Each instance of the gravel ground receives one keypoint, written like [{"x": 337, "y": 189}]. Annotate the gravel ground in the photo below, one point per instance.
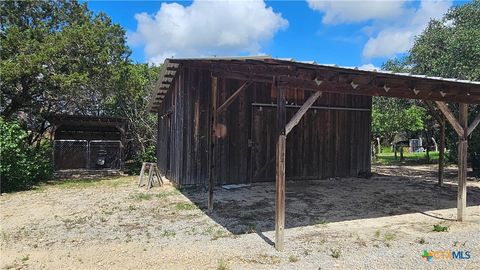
[{"x": 385, "y": 222}]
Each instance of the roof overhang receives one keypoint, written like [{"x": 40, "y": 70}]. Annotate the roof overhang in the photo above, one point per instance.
[{"x": 311, "y": 76}]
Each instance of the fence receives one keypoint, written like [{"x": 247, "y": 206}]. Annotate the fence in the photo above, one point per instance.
[{"x": 83, "y": 154}]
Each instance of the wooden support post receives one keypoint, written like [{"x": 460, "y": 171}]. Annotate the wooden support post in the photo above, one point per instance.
[
  {"x": 299, "y": 114},
  {"x": 462, "y": 163},
  {"x": 441, "y": 154},
  {"x": 213, "y": 141},
  {"x": 280, "y": 169}
]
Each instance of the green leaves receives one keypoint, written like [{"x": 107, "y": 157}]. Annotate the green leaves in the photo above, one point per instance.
[
  {"x": 57, "y": 56},
  {"x": 21, "y": 165},
  {"x": 391, "y": 116}
]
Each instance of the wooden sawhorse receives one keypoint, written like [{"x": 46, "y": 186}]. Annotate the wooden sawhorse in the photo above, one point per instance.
[{"x": 153, "y": 173}]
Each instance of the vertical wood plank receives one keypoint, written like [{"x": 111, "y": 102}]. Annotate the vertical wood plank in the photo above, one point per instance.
[
  {"x": 462, "y": 163},
  {"x": 211, "y": 176},
  {"x": 280, "y": 171}
]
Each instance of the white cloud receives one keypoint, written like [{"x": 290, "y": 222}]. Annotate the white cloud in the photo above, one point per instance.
[
  {"x": 400, "y": 37},
  {"x": 369, "y": 67},
  {"x": 336, "y": 12},
  {"x": 391, "y": 25},
  {"x": 206, "y": 28}
]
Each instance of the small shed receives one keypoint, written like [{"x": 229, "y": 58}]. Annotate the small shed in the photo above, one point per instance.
[
  {"x": 227, "y": 120},
  {"x": 88, "y": 142}
]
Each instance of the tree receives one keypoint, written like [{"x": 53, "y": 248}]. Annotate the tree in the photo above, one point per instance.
[
  {"x": 449, "y": 47},
  {"x": 21, "y": 165},
  {"x": 136, "y": 83},
  {"x": 393, "y": 116},
  {"x": 56, "y": 57}
]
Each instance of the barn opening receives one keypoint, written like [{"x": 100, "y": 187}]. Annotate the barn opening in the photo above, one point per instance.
[{"x": 226, "y": 120}]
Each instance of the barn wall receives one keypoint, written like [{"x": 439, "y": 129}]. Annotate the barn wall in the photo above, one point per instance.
[{"x": 326, "y": 143}]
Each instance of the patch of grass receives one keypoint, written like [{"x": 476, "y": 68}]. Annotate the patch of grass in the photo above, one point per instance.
[
  {"x": 335, "y": 253},
  {"x": 185, "y": 206},
  {"x": 389, "y": 236},
  {"x": 222, "y": 265},
  {"x": 249, "y": 227},
  {"x": 71, "y": 223},
  {"x": 220, "y": 233},
  {"x": 85, "y": 182},
  {"x": 293, "y": 258},
  {"x": 132, "y": 207},
  {"x": 421, "y": 241},
  {"x": 167, "y": 193},
  {"x": 142, "y": 196},
  {"x": 440, "y": 228},
  {"x": 388, "y": 158},
  {"x": 168, "y": 233},
  {"x": 25, "y": 258},
  {"x": 377, "y": 234},
  {"x": 361, "y": 242},
  {"x": 320, "y": 222}
]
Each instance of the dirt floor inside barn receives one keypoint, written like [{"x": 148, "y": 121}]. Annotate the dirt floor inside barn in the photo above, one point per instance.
[{"x": 385, "y": 222}]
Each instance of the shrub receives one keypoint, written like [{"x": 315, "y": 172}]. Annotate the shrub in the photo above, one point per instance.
[
  {"x": 21, "y": 165},
  {"x": 134, "y": 166}
]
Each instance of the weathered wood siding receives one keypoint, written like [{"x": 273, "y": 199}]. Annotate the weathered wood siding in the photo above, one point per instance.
[{"x": 326, "y": 143}]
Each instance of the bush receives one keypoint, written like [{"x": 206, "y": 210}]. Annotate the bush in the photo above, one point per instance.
[
  {"x": 134, "y": 166},
  {"x": 21, "y": 165}
]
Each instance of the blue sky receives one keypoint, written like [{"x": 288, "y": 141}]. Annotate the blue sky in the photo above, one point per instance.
[{"x": 348, "y": 33}]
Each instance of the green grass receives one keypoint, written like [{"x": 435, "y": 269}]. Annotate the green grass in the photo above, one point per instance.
[
  {"x": 293, "y": 258},
  {"x": 335, "y": 253},
  {"x": 185, "y": 206},
  {"x": 439, "y": 228},
  {"x": 389, "y": 236},
  {"x": 168, "y": 193},
  {"x": 85, "y": 183},
  {"x": 142, "y": 196},
  {"x": 388, "y": 158},
  {"x": 222, "y": 265},
  {"x": 168, "y": 233}
]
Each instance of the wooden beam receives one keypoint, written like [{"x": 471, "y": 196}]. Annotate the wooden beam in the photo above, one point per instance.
[
  {"x": 233, "y": 96},
  {"x": 473, "y": 125},
  {"x": 451, "y": 118},
  {"x": 299, "y": 114},
  {"x": 462, "y": 163},
  {"x": 365, "y": 89},
  {"x": 441, "y": 157},
  {"x": 280, "y": 170},
  {"x": 242, "y": 77},
  {"x": 434, "y": 113},
  {"x": 213, "y": 141}
]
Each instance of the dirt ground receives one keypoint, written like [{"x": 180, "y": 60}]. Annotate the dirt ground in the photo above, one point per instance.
[{"x": 385, "y": 222}]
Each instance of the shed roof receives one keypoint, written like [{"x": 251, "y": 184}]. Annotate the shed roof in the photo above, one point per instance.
[{"x": 312, "y": 76}]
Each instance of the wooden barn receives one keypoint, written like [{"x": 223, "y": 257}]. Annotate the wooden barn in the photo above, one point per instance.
[
  {"x": 334, "y": 138},
  {"x": 226, "y": 120}
]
